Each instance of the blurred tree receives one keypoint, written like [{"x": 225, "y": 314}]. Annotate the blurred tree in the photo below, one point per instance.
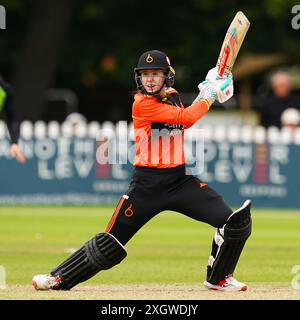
[
  {"x": 17, "y": 12},
  {"x": 191, "y": 34},
  {"x": 37, "y": 63},
  {"x": 106, "y": 37}
]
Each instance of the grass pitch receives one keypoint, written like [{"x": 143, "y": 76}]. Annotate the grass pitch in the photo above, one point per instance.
[{"x": 166, "y": 259}]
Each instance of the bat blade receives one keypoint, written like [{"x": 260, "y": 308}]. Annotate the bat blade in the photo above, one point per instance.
[{"x": 232, "y": 43}]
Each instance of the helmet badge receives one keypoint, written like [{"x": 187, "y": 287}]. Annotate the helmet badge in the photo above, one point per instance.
[{"x": 149, "y": 59}]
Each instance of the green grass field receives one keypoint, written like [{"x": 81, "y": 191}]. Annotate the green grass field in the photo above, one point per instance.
[{"x": 170, "y": 250}]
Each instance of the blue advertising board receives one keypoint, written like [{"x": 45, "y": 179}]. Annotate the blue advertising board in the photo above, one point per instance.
[{"x": 67, "y": 171}]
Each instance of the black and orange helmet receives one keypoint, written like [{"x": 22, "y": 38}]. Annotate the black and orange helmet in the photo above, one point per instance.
[{"x": 154, "y": 60}]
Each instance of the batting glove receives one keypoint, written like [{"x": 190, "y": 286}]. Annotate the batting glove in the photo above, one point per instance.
[
  {"x": 221, "y": 86},
  {"x": 208, "y": 91}
]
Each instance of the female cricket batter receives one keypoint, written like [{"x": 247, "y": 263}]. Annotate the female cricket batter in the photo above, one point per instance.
[{"x": 160, "y": 182}]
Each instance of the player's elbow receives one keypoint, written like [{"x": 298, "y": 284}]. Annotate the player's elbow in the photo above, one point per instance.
[
  {"x": 187, "y": 125},
  {"x": 189, "y": 121}
]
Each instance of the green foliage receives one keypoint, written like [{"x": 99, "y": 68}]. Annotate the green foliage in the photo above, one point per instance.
[
  {"x": 278, "y": 8},
  {"x": 11, "y": 39},
  {"x": 190, "y": 32}
]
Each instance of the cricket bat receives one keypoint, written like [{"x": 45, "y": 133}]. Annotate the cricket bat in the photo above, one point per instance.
[{"x": 232, "y": 43}]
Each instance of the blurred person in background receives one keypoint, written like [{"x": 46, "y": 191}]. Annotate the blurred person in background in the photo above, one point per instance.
[
  {"x": 160, "y": 182},
  {"x": 7, "y": 106},
  {"x": 279, "y": 99}
]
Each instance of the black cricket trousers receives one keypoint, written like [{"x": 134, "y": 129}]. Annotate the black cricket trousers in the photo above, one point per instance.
[{"x": 152, "y": 191}]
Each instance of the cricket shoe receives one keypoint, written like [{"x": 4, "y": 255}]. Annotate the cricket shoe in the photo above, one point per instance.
[
  {"x": 46, "y": 282},
  {"x": 229, "y": 284}
]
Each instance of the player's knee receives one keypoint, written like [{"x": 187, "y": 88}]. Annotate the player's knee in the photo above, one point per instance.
[
  {"x": 219, "y": 219},
  {"x": 239, "y": 223}
]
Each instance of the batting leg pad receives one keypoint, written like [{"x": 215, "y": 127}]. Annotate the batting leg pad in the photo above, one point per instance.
[
  {"x": 101, "y": 252},
  {"x": 228, "y": 244}
]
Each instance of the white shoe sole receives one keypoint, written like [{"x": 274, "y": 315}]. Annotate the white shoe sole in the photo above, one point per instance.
[{"x": 229, "y": 288}]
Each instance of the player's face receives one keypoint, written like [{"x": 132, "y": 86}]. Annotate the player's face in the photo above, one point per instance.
[{"x": 152, "y": 80}]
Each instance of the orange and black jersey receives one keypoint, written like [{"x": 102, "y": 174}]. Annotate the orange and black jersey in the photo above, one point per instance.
[{"x": 159, "y": 128}]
